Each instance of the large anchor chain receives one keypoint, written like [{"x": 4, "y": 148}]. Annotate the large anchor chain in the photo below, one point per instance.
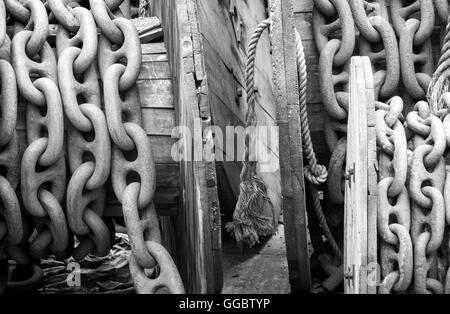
[{"x": 131, "y": 152}]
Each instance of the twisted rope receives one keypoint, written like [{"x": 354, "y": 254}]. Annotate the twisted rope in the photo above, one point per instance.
[
  {"x": 249, "y": 222},
  {"x": 144, "y": 8},
  {"x": 440, "y": 82},
  {"x": 314, "y": 173}
]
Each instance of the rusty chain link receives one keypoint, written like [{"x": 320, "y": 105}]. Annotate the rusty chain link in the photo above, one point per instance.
[{"x": 133, "y": 167}]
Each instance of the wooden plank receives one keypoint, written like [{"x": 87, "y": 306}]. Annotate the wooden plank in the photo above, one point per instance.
[
  {"x": 225, "y": 62},
  {"x": 291, "y": 155},
  {"x": 155, "y": 70},
  {"x": 372, "y": 206},
  {"x": 157, "y": 121},
  {"x": 197, "y": 235},
  {"x": 156, "y": 93},
  {"x": 357, "y": 168}
]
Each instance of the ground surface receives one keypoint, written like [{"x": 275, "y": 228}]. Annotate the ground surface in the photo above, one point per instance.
[{"x": 255, "y": 271}]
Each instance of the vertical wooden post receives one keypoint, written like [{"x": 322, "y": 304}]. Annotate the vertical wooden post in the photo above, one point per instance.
[
  {"x": 361, "y": 182},
  {"x": 290, "y": 143}
]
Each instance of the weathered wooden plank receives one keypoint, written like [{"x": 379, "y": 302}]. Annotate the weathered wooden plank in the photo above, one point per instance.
[
  {"x": 155, "y": 70},
  {"x": 291, "y": 159},
  {"x": 198, "y": 225},
  {"x": 158, "y": 121},
  {"x": 156, "y": 93},
  {"x": 153, "y": 48},
  {"x": 225, "y": 63},
  {"x": 357, "y": 187}
]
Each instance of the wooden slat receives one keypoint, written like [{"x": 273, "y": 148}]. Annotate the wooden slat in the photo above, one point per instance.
[
  {"x": 225, "y": 63},
  {"x": 357, "y": 168},
  {"x": 197, "y": 227},
  {"x": 291, "y": 159},
  {"x": 156, "y": 93}
]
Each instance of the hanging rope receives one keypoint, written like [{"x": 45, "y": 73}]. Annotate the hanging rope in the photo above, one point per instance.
[
  {"x": 440, "y": 83},
  {"x": 250, "y": 222},
  {"x": 314, "y": 173},
  {"x": 144, "y": 8}
]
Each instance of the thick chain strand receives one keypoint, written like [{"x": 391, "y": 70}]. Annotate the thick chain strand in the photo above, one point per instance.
[
  {"x": 43, "y": 165},
  {"x": 131, "y": 152},
  {"x": 393, "y": 201}
]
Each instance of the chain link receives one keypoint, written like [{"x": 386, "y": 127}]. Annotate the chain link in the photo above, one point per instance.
[
  {"x": 394, "y": 212},
  {"x": 442, "y": 8},
  {"x": 331, "y": 19},
  {"x": 415, "y": 48},
  {"x": 89, "y": 148},
  {"x": 133, "y": 167},
  {"x": 43, "y": 165},
  {"x": 426, "y": 187},
  {"x": 375, "y": 31},
  {"x": 11, "y": 226}
]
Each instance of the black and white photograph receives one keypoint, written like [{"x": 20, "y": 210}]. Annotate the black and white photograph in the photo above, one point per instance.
[{"x": 233, "y": 154}]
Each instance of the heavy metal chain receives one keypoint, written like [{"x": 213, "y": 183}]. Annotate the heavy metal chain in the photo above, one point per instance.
[
  {"x": 414, "y": 24},
  {"x": 133, "y": 168},
  {"x": 442, "y": 8},
  {"x": 11, "y": 224},
  {"x": 377, "y": 41},
  {"x": 333, "y": 76},
  {"x": 394, "y": 213},
  {"x": 43, "y": 166},
  {"x": 426, "y": 187},
  {"x": 89, "y": 148},
  {"x": 444, "y": 114}
]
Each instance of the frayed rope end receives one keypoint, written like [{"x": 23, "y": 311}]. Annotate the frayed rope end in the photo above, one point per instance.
[{"x": 251, "y": 221}]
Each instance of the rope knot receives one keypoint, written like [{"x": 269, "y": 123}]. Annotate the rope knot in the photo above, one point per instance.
[{"x": 317, "y": 174}]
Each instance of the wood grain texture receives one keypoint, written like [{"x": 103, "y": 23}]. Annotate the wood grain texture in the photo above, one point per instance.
[
  {"x": 197, "y": 227},
  {"x": 225, "y": 62},
  {"x": 359, "y": 168},
  {"x": 290, "y": 143}
]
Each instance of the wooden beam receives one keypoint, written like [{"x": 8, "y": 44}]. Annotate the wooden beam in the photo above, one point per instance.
[
  {"x": 361, "y": 177},
  {"x": 290, "y": 144}
]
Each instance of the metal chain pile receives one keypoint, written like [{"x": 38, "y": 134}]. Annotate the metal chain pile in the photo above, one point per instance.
[
  {"x": 11, "y": 223},
  {"x": 394, "y": 213},
  {"x": 43, "y": 168},
  {"x": 329, "y": 18},
  {"x": 412, "y": 210},
  {"x": 69, "y": 84},
  {"x": 400, "y": 54},
  {"x": 414, "y": 23},
  {"x": 377, "y": 41},
  {"x": 133, "y": 168}
]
